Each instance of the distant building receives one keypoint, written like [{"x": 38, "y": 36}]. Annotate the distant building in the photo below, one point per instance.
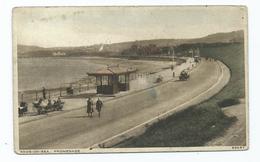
[{"x": 59, "y": 53}]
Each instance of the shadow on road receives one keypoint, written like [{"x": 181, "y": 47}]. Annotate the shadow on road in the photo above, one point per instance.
[{"x": 81, "y": 116}]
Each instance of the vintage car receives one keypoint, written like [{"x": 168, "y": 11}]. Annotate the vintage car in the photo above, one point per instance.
[
  {"x": 45, "y": 106},
  {"x": 184, "y": 75}
]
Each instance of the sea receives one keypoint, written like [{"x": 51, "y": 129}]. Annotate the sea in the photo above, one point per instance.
[{"x": 52, "y": 72}]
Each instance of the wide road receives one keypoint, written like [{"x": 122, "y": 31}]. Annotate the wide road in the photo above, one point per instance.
[{"x": 74, "y": 130}]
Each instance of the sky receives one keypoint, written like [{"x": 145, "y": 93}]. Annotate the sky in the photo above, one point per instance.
[{"x": 82, "y": 26}]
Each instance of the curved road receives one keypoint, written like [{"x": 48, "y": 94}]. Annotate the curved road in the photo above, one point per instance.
[{"x": 74, "y": 130}]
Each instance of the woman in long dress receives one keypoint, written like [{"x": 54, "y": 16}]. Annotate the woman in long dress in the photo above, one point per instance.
[{"x": 90, "y": 107}]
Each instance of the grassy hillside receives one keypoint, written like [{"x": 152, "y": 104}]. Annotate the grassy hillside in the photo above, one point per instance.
[
  {"x": 115, "y": 49},
  {"x": 200, "y": 123},
  {"x": 233, "y": 56}
]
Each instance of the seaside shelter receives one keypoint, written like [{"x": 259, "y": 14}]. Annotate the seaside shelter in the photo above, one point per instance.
[{"x": 112, "y": 79}]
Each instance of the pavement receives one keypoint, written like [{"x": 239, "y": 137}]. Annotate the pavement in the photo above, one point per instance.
[
  {"x": 74, "y": 130},
  {"x": 236, "y": 134}
]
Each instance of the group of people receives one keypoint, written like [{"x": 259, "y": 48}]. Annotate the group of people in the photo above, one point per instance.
[
  {"x": 90, "y": 104},
  {"x": 90, "y": 107}
]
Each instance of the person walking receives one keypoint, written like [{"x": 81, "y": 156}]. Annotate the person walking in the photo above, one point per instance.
[
  {"x": 99, "y": 105},
  {"x": 90, "y": 107}
]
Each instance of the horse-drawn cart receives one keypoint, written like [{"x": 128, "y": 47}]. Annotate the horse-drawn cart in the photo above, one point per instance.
[{"x": 45, "y": 106}]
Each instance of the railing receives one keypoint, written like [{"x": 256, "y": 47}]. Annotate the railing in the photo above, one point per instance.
[{"x": 32, "y": 95}]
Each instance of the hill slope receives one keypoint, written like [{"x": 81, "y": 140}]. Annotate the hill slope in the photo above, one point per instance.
[{"x": 116, "y": 48}]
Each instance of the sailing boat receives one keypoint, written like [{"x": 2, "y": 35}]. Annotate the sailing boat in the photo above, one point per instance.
[{"x": 101, "y": 48}]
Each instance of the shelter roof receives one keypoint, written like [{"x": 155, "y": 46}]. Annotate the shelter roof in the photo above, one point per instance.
[{"x": 111, "y": 70}]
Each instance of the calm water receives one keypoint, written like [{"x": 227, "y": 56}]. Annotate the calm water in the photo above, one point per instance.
[{"x": 34, "y": 73}]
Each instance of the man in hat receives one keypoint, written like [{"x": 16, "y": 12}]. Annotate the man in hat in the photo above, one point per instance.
[{"x": 99, "y": 105}]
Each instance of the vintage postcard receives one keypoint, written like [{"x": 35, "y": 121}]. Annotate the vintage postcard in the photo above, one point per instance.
[{"x": 130, "y": 79}]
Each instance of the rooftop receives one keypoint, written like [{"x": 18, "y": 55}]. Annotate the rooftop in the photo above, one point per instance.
[{"x": 110, "y": 70}]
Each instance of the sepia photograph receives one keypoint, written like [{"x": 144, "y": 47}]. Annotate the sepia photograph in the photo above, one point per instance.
[{"x": 130, "y": 79}]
